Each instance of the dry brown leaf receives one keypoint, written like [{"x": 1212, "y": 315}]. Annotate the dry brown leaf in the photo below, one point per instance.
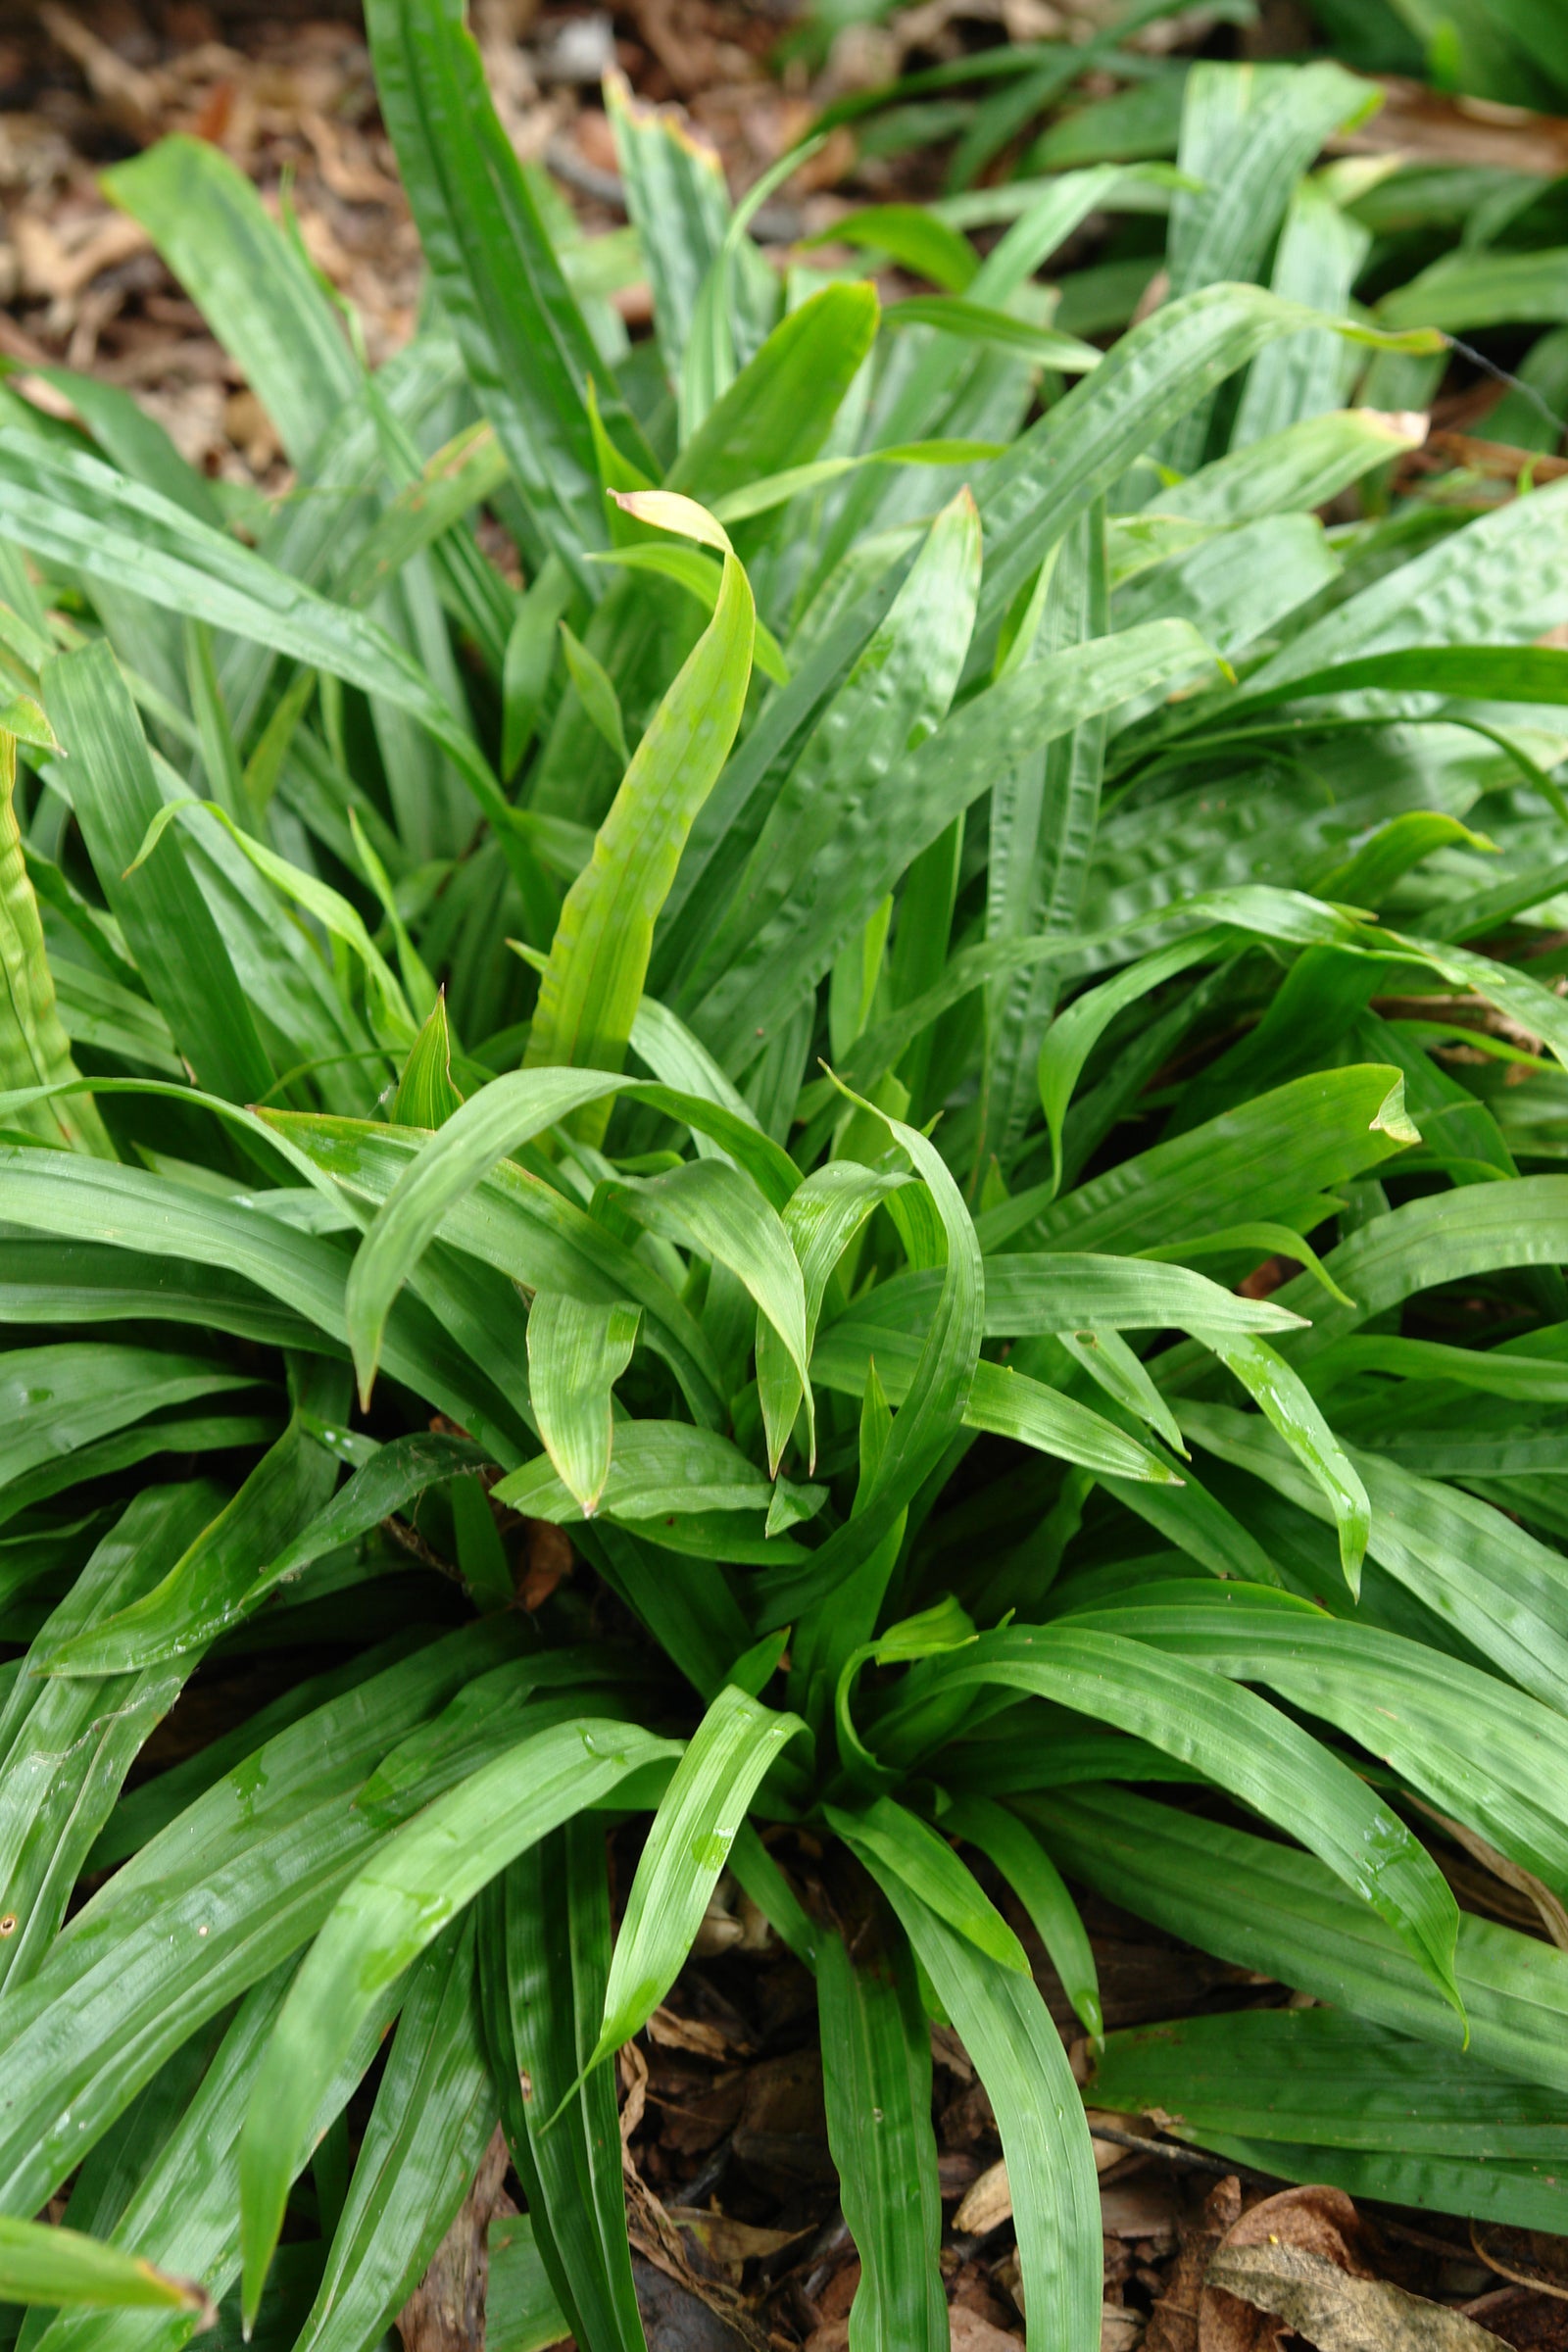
[
  {"x": 987, "y": 2205},
  {"x": 345, "y": 167},
  {"x": 550, "y": 1559},
  {"x": 633, "y": 2068},
  {"x": 446, "y": 2311},
  {"x": 724, "y": 2317},
  {"x": 1173, "y": 2323},
  {"x": 1336, "y": 2312},
  {"x": 1108, "y": 2153},
  {"x": 132, "y": 99},
  {"x": 968, "y": 2332},
  {"x": 728, "y": 2241},
  {"x": 692, "y": 2034},
  {"x": 1422, "y": 124},
  {"x": 949, "y": 2052},
  {"x": 1138, "y": 2209},
  {"x": 1321, "y": 2222}
]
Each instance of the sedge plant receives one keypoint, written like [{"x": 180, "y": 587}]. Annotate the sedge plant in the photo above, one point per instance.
[{"x": 938, "y": 1045}]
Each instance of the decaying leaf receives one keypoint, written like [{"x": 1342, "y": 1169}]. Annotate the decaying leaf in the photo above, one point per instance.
[
  {"x": 1319, "y": 2222},
  {"x": 446, "y": 2311},
  {"x": 1335, "y": 2311}
]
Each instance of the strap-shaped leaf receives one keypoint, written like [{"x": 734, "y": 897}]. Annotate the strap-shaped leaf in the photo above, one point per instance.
[
  {"x": 1038, "y": 1884},
  {"x": 390, "y": 1017},
  {"x": 597, "y": 691},
  {"x": 821, "y": 1218},
  {"x": 593, "y": 982},
  {"x": 497, "y": 1120},
  {"x": 719, "y": 1212},
  {"x": 1483, "y": 2144},
  {"x": 1290, "y": 1405},
  {"x": 678, "y": 203},
  {"x": 810, "y": 910},
  {"x": 65, "y": 1746},
  {"x": 385, "y": 1919},
  {"x": 1242, "y": 1744},
  {"x": 253, "y": 282},
  {"x": 426, "y": 1095},
  {"x": 1151, "y": 376},
  {"x": 1268, "y": 1906},
  {"x": 257, "y": 1860},
  {"x": 433, "y": 2118},
  {"x": 1254, "y": 1161},
  {"x": 1045, "y": 812},
  {"x": 544, "y": 1962},
  {"x": 34, "y": 1050},
  {"x": 527, "y": 349},
  {"x": 909, "y": 1851},
  {"x": 1428, "y": 1537},
  {"x": 40, "y": 2264},
  {"x": 876, "y": 2076},
  {"x": 1478, "y": 1751},
  {"x": 167, "y": 923},
  {"x": 934, "y": 1403},
  {"x": 222, "y": 1576},
  {"x": 1007, "y": 2031},
  {"x": 578, "y": 1350},
  {"x": 1009, "y": 1404},
  {"x": 725, "y": 1762},
  {"x": 657, "y": 1467}
]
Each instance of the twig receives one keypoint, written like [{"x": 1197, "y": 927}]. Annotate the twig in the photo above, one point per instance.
[
  {"x": 1495, "y": 2262},
  {"x": 410, "y": 1539},
  {"x": 1169, "y": 2151}
]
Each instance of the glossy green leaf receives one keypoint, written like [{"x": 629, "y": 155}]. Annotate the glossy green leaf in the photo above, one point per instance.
[
  {"x": 527, "y": 349},
  {"x": 976, "y": 323},
  {"x": 1345, "y": 2090},
  {"x": 74, "y": 511},
  {"x": 426, "y": 1095},
  {"x": 793, "y": 921},
  {"x": 387, "y": 1916},
  {"x": 1267, "y": 1906},
  {"x": 434, "y": 2114},
  {"x": 876, "y": 2074},
  {"x": 671, "y": 177},
  {"x": 257, "y": 1861},
  {"x": 596, "y": 689},
  {"x": 253, "y": 281},
  {"x": 1037, "y": 1883},
  {"x": 1289, "y": 1405},
  {"x": 544, "y": 1962},
  {"x": 718, "y": 1211},
  {"x": 918, "y": 240},
  {"x": 578, "y": 1350},
  {"x": 34, "y": 1050},
  {"x": 726, "y": 1763},
  {"x": 912, "y": 1853},
  {"x": 163, "y": 915},
  {"x": 589, "y": 994},
  {"x": 1245, "y": 1746},
  {"x": 1050, "y": 2168},
  {"x": 43, "y": 2265},
  {"x": 215, "y": 1582}
]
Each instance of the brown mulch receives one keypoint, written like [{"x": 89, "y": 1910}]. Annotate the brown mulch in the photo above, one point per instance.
[
  {"x": 739, "y": 2241},
  {"x": 285, "y": 90}
]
